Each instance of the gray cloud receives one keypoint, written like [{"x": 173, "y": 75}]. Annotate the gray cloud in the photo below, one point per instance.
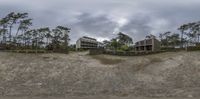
[
  {"x": 103, "y": 18},
  {"x": 95, "y": 26}
]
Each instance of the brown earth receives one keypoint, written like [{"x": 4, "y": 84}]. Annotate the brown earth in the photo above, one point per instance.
[{"x": 171, "y": 74}]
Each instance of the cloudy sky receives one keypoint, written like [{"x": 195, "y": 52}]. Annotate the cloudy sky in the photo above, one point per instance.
[{"x": 103, "y": 19}]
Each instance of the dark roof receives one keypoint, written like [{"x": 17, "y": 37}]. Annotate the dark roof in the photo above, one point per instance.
[
  {"x": 89, "y": 38},
  {"x": 146, "y": 39}
]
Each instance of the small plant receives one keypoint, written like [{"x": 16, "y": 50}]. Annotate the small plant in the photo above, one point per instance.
[
  {"x": 107, "y": 61},
  {"x": 155, "y": 60}
]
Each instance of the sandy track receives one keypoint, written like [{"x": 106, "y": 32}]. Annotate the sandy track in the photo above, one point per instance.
[
  {"x": 78, "y": 74},
  {"x": 93, "y": 97}
]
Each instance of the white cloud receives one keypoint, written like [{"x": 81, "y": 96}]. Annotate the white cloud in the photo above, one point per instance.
[{"x": 122, "y": 21}]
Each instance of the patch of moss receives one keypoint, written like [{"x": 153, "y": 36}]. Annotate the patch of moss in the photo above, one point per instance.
[{"x": 107, "y": 61}]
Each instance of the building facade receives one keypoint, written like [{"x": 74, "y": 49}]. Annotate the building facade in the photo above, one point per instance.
[
  {"x": 150, "y": 44},
  {"x": 86, "y": 43}
]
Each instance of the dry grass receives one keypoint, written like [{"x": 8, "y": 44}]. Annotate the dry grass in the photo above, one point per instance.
[
  {"x": 144, "y": 64},
  {"x": 155, "y": 60},
  {"x": 78, "y": 74},
  {"x": 107, "y": 60}
]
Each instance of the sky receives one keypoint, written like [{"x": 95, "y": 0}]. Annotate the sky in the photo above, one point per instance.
[{"x": 103, "y": 19}]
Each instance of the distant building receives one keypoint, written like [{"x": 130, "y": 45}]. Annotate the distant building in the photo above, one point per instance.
[
  {"x": 2, "y": 46},
  {"x": 86, "y": 43},
  {"x": 149, "y": 44}
]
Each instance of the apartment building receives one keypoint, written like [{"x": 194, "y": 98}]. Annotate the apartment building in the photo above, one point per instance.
[
  {"x": 86, "y": 43},
  {"x": 149, "y": 44}
]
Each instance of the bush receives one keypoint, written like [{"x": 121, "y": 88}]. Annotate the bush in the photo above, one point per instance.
[
  {"x": 193, "y": 48},
  {"x": 31, "y": 51},
  {"x": 168, "y": 49},
  {"x": 171, "y": 49},
  {"x": 107, "y": 61},
  {"x": 40, "y": 51},
  {"x": 96, "y": 51},
  {"x": 129, "y": 53},
  {"x": 124, "y": 48},
  {"x": 22, "y": 51}
]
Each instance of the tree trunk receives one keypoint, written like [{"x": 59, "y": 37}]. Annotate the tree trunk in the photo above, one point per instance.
[
  {"x": 47, "y": 41},
  {"x": 17, "y": 32},
  {"x": 36, "y": 45},
  {"x": 4, "y": 38},
  {"x": 10, "y": 31},
  {"x": 182, "y": 39}
]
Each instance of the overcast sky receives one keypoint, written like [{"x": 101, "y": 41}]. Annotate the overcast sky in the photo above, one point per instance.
[{"x": 103, "y": 19}]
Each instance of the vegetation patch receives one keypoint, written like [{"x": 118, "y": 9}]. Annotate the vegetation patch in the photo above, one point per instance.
[
  {"x": 106, "y": 60},
  {"x": 35, "y": 40},
  {"x": 142, "y": 66},
  {"x": 155, "y": 60}
]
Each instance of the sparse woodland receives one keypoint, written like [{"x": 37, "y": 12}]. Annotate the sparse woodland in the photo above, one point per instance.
[
  {"x": 16, "y": 34},
  {"x": 189, "y": 35}
]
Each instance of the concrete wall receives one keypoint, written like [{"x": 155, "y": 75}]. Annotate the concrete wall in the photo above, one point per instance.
[
  {"x": 152, "y": 44},
  {"x": 85, "y": 43}
]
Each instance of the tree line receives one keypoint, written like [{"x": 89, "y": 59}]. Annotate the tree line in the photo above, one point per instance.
[
  {"x": 122, "y": 42},
  {"x": 16, "y": 33},
  {"x": 189, "y": 34}
]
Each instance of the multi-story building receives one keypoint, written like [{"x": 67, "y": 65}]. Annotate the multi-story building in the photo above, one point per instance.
[
  {"x": 86, "y": 43},
  {"x": 149, "y": 44}
]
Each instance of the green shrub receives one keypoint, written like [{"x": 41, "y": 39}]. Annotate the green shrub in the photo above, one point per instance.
[
  {"x": 96, "y": 51},
  {"x": 31, "y": 51},
  {"x": 168, "y": 48},
  {"x": 193, "y": 48},
  {"x": 107, "y": 61},
  {"x": 40, "y": 51},
  {"x": 22, "y": 51},
  {"x": 124, "y": 48}
]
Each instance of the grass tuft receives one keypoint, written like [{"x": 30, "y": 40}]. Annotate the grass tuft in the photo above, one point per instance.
[
  {"x": 155, "y": 60},
  {"x": 106, "y": 60}
]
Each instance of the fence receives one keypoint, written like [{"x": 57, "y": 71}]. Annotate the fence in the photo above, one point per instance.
[
  {"x": 96, "y": 51},
  {"x": 121, "y": 53},
  {"x": 130, "y": 53},
  {"x": 28, "y": 51},
  {"x": 193, "y": 48}
]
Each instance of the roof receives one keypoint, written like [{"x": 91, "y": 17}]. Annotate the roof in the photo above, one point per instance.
[
  {"x": 89, "y": 38},
  {"x": 146, "y": 39}
]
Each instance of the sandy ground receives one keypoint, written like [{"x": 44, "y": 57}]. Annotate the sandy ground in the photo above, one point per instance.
[
  {"x": 80, "y": 76},
  {"x": 94, "y": 97}
]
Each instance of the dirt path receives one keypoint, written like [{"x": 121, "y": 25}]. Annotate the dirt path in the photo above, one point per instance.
[
  {"x": 92, "y": 97},
  {"x": 113, "y": 77}
]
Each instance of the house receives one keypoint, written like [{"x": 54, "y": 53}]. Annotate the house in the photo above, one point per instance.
[
  {"x": 86, "y": 43},
  {"x": 2, "y": 46},
  {"x": 149, "y": 44}
]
